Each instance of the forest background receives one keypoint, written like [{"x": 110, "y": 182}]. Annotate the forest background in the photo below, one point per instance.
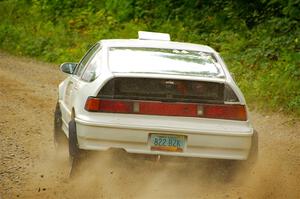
[{"x": 258, "y": 39}]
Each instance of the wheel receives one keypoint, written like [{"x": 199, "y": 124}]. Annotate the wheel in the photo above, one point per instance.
[
  {"x": 73, "y": 142},
  {"x": 59, "y": 136}
]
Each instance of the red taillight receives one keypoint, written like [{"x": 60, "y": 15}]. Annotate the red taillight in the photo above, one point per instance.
[
  {"x": 92, "y": 104},
  {"x": 216, "y": 111},
  {"x": 172, "y": 109},
  {"x": 114, "y": 106},
  {"x": 227, "y": 111}
]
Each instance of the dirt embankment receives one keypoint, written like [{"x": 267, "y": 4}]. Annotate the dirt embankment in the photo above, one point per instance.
[{"x": 29, "y": 168}]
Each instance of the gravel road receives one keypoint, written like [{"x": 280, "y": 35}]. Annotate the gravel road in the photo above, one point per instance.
[{"x": 30, "y": 167}]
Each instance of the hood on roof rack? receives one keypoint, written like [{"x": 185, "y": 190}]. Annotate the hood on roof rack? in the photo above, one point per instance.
[{"x": 143, "y": 35}]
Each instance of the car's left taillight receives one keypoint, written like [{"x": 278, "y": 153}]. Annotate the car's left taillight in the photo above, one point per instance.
[{"x": 114, "y": 106}]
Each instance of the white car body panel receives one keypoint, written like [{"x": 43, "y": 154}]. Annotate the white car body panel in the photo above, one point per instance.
[
  {"x": 205, "y": 137},
  {"x": 209, "y": 138}
]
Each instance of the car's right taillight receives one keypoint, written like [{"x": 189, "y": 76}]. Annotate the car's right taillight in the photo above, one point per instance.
[
  {"x": 225, "y": 111},
  {"x": 214, "y": 111}
]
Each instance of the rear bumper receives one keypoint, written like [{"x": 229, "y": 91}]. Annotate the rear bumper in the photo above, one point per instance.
[{"x": 207, "y": 138}]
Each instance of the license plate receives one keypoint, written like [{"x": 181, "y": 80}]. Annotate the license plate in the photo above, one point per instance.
[{"x": 173, "y": 143}]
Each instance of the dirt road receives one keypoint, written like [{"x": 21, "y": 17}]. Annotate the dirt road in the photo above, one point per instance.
[{"x": 29, "y": 167}]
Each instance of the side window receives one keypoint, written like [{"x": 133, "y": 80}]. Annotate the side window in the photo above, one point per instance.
[
  {"x": 85, "y": 59},
  {"x": 93, "y": 68}
]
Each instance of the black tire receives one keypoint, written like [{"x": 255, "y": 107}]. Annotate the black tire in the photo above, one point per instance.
[
  {"x": 58, "y": 134},
  {"x": 73, "y": 142}
]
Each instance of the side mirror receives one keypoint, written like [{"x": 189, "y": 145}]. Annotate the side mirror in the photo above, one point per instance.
[{"x": 68, "y": 67}]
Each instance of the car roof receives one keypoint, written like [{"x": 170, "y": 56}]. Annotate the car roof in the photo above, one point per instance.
[{"x": 155, "y": 44}]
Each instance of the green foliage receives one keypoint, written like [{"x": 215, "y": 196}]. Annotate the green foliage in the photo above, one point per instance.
[{"x": 259, "y": 39}]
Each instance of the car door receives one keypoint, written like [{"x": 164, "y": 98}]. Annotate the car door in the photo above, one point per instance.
[{"x": 74, "y": 81}]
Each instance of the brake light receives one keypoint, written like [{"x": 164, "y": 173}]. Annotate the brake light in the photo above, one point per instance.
[
  {"x": 113, "y": 106},
  {"x": 92, "y": 104},
  {"x": 172, "y": 109},
  {"x": 216, "y": 111},
  {"x": 227, "y": 111}
]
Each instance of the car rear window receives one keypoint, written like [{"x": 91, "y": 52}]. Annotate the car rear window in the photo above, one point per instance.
[
  {"x": 163, "y": 90},
  {"x": 164, "y": 61}
]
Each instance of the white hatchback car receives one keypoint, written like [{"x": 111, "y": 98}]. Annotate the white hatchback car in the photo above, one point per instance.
[{"x": 153, "y": 96}]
